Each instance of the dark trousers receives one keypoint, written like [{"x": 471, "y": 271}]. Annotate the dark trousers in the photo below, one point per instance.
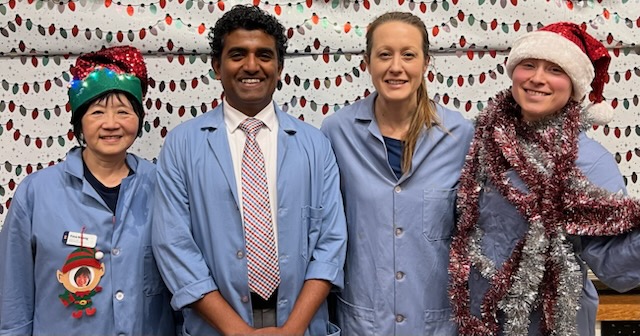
[
  {"x": 263, "y": 318},
  {"x": 264, "y": 311}
]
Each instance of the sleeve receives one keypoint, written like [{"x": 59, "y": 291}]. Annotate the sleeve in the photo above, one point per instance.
[
  {"x": 326, "y": 127},
  {"x": 179, "y": 258},
  {"x": 614, "y": 260},
  {"x": 17, "y": 288},
  {"x": 328, "y": 256}
]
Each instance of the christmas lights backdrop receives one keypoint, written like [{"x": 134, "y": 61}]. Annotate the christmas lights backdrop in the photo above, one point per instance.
[{"x": 323, "y": 72}]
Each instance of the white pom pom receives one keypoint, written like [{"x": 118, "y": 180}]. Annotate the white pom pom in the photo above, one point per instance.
[
  {"x": 599, "y": 114},
  {"x": 99, "y": 255}
]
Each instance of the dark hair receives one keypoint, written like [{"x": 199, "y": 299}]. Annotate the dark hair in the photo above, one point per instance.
[
  {"x": 249, "y": 18},
  {"x": 76, "y": 116},
  {"x": 82, "y": 271},
  {"x": 425, "y": 114}
]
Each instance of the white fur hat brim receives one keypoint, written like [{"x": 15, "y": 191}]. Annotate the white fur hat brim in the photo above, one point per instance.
[
  {"x": 599, "y": 114},
  {"x": 555, "y": 48}
]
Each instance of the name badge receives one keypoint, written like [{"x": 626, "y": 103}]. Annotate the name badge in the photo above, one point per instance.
[{"x": 79, "y": 239}]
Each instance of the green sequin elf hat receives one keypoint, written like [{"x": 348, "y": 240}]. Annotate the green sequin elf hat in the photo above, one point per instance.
[{"x": 119, "y": 68}]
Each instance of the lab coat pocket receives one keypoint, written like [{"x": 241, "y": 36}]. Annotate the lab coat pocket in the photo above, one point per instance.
[
  {"x": 332, "y": 329},
  {"x": 438, "y": 214},
  {"x": 311, "y": 223},
  {"x": 153, "y": 284},
  {"x": 355, "y": 320},
  {"x": 185, "y": 332},
  {"x": 439, "y": 323}
]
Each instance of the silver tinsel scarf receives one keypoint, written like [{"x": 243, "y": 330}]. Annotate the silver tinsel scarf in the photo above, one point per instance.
[{"x": 542, "y": 272}]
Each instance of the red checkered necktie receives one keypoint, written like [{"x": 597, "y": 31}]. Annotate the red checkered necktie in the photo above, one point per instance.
[{"x": 262, "y": 260}]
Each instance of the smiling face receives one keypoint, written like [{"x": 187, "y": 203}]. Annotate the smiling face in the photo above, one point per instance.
[
  {"x": 397, "y": 63},
  {"x": 109, "y": 127},
  {"x": 248, "y": 69},
  {"x": 81, "y": 279},
  {"x": 540, "y": 87}
]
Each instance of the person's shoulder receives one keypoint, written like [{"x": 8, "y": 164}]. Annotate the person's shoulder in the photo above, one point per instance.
[
  {"x": 598, "y": 164},
  {"x": 590, "y": 146},
  {"x": 308, "y": 135},
  {"x": 143, "y": 165},
  {"x": 346, "y": 112},
  {"x": 349, "y": 112},
  {"x": 300, "y": 126},
  {"x": 41, "y": 181},
  {"x": 454, "y": 123},
  {"x": 592, "y": 154},
  {"x": 193, "y": 126},
  {"x": 343, "y": 122},
  {"x": 145, "y": 172},
  {"x": 44, "y": 174},
  {"x": 452, "y": 118}
]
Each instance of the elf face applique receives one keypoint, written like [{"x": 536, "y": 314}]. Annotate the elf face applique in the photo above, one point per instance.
[{"x": 80, "y": 276}]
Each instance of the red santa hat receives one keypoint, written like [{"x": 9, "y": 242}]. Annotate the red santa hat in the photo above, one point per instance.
[{"x": 579, "y": 54}]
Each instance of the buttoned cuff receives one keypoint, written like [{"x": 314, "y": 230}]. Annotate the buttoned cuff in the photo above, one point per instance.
[
  {"x": 325, "y": 271},
  {"x": 192, "y": 293}
]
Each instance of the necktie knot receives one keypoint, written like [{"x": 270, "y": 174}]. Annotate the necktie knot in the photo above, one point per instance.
[{"x": 251, "y": 126}]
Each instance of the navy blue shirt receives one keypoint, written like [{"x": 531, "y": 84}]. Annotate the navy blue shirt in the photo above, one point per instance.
[
  {"x": 108, "y": 194},
  {"x": 394, "y": 154}
]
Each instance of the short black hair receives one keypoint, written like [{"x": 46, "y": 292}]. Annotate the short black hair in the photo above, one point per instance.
[
  {"x": 76, "y": 116},
  {"x": 84, "y": 270},
  {"x": 249, "y": 18}
]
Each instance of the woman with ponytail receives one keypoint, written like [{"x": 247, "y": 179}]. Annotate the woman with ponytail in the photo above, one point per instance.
[{"x": 400, "y": 156}]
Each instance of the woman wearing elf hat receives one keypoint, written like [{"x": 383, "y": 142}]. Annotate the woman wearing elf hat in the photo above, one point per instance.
[
  {"x": 75, "y": 245},
  {"x": 539, "y": 201}
]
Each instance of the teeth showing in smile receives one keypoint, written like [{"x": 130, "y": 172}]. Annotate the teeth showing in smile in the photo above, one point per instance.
[
  {"x": 535, "y": 93},
  {"x": 250, "y": 80},
  {"x": 395, "y": 82}
]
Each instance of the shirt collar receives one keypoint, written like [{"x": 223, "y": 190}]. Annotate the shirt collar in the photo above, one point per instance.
[{"x": 233, "y": 117}]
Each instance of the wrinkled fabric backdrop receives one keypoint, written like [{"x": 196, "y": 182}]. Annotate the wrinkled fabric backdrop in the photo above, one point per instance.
[{"x": 324, "y": 68}]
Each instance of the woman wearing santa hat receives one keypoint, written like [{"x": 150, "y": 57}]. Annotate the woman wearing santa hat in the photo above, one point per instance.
[
  {"x": 539, "y": 201},
  {"x": 75, "y": 245}
]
